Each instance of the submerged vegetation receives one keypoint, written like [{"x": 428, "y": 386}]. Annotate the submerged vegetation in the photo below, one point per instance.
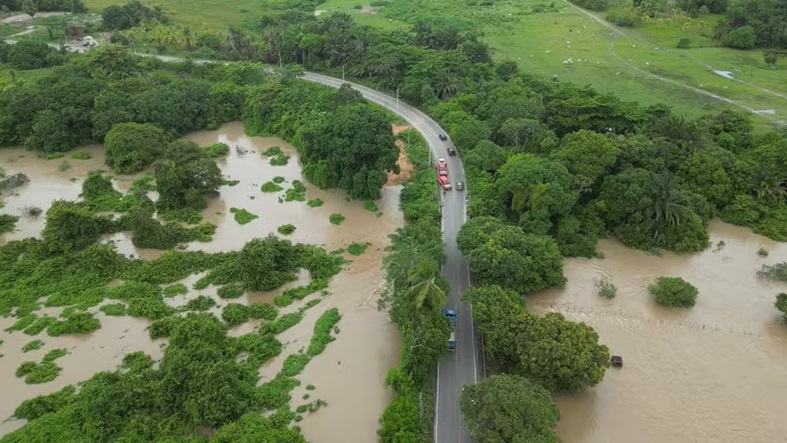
[
  {"x": 674, "y": 291},
  {"x": 243, "y": 216}
]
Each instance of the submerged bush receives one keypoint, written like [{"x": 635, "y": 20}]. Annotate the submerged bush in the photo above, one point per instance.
[
  {"x": 336, "y": 219},
  {"x": 286, "y": 229},
  {"x": 674, "y": 291},
  {"x": 243, "y": 216}
]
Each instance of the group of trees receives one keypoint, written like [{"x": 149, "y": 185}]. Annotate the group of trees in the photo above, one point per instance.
[
  {"x": 754, "y": 23},
  {"x": 131, "y": 14},
  {"x": 30, "y": 54},
  {"x": 343, "y": 142},
  {"x": 200, "y": 381},
  {"x": 535, "y": 355},
  {"x": 33, "y": 6}
]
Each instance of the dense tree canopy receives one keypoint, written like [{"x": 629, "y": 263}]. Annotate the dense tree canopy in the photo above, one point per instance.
[
  {"x": 131, "y": 147},
  {"x": 508, "y": 408},
  {"x": 186, "y": 176}
]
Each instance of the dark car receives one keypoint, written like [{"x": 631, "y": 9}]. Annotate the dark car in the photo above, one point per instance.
[
  {"x": 443, "y": 137},
  {"x": 460, "y": 186},
  {"x": 451, "y": 151}
]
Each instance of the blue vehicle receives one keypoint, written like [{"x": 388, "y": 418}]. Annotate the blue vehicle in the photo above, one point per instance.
[{"x": 451, "y": 314}]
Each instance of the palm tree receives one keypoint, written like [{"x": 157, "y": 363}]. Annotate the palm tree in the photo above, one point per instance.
[
  {"x": 768, "y": 182},
  {"x": 424, "y": 291},
  {"x": 663, "y": 207}
]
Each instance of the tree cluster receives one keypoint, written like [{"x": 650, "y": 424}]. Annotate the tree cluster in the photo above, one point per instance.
[
  {"x": 33, "y": 6},
  {"x": 754, "y": 23},
  {"x": 131, "y": 14},
  {"x": 200, "y": 382},
  {"x": 30, "y": 54},
  {"x": 343, "y": 142}
]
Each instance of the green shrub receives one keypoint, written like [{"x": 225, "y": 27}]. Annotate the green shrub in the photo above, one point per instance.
[
  {"x": 234, "y": 314},
  {"x": 232, "y": 290},
  {"x": 175, "y": 290},
  {"x": 286, "y": 229},
  {"x": 114, "y": 309},
  {"x": 231, "y": 182},
  {"x": 270, "y": 186},
  {"x": 336, "y": 219},
  {"x": 296, "y": 193},
  {"x": 322, "y": 331},
  {"x": 370, "y": 206},
  {"x": 32, "y": 346},
  {"x": 185, "y": 215},
  {"x": 243, "y": 216},
  {"x": 81, "y": 155},
  {"x": 294, "y": 364},
  {"x": 316, "y": 203},
  {"x": 357, "y": 248},
  {"x": 22, "y": 323},
  {"x": 674, "y": 291},
  {"x": 279, "y": 160},
  {"x": 282, "y": 323},
  {"x": 78, "y": 323},
  {"x": 781, "y": 303},
  {"x": 605, "y": 289},
  {"x": 762, "y": 252},
  {"x": 217, "y": 150},
  {"x": 684, "y": 43},
  {"x": 201, "y": 303},
  {"x": 261, "y": 311},
  {"x": 272, "y": 151},
  {"x": 7, "y": 223},
  {"x": 278, "y": 179},
  {"x": 39, "y": 325}
]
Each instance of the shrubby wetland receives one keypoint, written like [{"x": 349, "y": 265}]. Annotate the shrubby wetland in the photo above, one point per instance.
[{"x": 196, "y": 251}]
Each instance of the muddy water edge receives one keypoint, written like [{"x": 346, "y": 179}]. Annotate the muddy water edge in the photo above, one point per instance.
[
  {"x": 714, "y": 373},
  {"x": 349, "y": 375}
]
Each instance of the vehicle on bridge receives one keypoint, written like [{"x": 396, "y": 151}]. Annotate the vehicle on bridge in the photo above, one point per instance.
[{"x": 444, "y": 183}]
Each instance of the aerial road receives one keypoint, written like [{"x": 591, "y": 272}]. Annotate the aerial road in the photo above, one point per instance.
[{"x": 461, "y": 366}]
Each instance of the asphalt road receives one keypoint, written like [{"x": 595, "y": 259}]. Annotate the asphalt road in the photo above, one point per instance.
[{"x": 460, "y": 367}]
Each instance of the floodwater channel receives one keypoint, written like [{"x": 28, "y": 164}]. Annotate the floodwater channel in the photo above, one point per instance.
[
  {"x": 716, "y": 372},
  {"x": 349, "y": 375}
]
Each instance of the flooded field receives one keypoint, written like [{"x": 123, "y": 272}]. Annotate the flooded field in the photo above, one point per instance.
[
  {"x": 716, "y": 372},
  {"x": 349, "y": 375}
]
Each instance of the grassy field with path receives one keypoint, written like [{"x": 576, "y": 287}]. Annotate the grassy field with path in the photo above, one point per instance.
[{"x": 558, "y": 39}]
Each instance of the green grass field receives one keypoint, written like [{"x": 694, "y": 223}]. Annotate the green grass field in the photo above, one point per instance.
[{"x": 554, "y": 38}]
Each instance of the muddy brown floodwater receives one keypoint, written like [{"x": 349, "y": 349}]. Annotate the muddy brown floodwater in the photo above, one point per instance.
[
  {"x": 714, "y": 373},
  {"x": 349, "y": 375}
]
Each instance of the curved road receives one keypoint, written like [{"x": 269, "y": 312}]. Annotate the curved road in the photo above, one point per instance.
[{"x": 461, "y": 367}]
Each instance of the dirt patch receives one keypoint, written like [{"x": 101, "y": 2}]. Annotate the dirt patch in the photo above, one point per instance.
[
  {"x": 405, "y": 167},
  {"x": 14, "y": 19}
]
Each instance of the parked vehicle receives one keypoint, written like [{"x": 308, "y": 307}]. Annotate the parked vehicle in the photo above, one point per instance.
[
  {"x": 443, "y": 137},
  {"x": 460, "y": 186}
]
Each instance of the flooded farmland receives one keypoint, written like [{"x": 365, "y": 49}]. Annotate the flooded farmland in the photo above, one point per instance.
[
  {"x": 349, "y": 375},
  {"x": 716, "y": 372}
]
